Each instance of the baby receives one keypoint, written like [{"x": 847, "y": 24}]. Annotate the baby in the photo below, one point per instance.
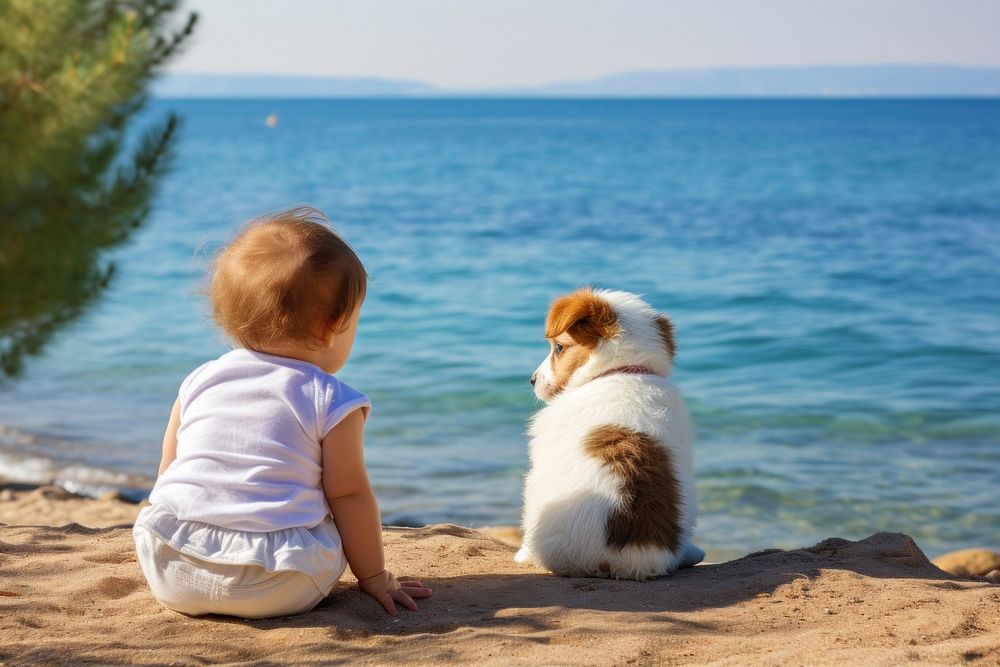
[{"x": 262, "y": 497}]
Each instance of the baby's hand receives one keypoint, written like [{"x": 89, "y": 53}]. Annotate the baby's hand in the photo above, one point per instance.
[{"x": 385, "y": 589}]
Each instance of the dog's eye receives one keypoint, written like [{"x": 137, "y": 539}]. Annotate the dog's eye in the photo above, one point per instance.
[{"x": 559, "y": 348}]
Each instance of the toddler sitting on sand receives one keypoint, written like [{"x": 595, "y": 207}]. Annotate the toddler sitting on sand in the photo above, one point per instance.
[{"x": 262, "y": 497}]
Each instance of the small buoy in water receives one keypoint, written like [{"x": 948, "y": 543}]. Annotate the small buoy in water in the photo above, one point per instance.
[{"x": 272, "y": 120}]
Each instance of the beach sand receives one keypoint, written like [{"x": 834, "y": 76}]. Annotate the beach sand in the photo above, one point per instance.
[{"x": 74, "y": 594}]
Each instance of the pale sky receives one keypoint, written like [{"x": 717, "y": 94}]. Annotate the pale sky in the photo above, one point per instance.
[{"x": 491, "y": 43}]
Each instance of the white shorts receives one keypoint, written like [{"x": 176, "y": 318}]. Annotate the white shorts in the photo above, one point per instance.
[{"x": 194, "y": 586}]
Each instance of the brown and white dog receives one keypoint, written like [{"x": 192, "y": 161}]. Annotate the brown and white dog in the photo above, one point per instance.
[{"x": 610, "y": 491}]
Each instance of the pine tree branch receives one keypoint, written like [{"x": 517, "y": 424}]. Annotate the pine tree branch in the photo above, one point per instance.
[{"x": 72, "y": 75}]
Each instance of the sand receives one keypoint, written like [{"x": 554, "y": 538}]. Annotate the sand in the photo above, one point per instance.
[
  {"x": 52, "y": 506},
  {"x": 74, "y": 594}
]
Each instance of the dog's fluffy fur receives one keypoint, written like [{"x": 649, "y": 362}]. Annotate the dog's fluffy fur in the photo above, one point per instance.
[{"x": 610, "y": 491}]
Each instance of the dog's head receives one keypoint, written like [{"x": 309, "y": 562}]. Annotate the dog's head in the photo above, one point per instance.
[{"x": 593, "y": 332}]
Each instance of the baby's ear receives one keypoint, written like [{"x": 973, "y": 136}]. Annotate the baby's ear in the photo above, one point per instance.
[
  {"x": 585, "y": 315},
  {"x": 666, "y": 328},
  {"x": 330, "y": 331}
]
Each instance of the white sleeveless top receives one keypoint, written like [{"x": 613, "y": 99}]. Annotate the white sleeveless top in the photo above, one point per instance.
[{"x": 247, "y": 477}]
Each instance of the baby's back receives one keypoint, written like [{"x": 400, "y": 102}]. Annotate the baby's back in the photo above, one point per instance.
[{"x": 248, "y": 446}]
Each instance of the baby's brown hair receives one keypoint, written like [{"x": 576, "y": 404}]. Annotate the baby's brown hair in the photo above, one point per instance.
[{"x": 286, "y": 277}]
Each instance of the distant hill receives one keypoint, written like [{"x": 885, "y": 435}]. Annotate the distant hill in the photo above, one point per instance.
[
  {"x": 821, "y": 81},
  {"x": 271, "y": 86}
]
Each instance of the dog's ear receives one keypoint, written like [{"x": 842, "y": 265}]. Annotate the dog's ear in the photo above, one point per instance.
[
  {"x": 666, "y": 328},
  {"x": 585, "y": 315}
]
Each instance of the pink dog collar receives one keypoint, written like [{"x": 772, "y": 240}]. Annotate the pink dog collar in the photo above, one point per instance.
[{"x": 634, "y": 370}]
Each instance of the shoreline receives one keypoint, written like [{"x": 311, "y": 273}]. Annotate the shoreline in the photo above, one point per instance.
[
  {"x": 775, "y": 510},
  {"x": 55, "y": 504},
  {"x": 71, "y": 592},
  {"x": 24, "y": 504},
  {"x": 23, "y": 462}
]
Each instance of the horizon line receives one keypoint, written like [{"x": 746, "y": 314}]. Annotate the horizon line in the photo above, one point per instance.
[
  {"x": 583, "y": 78},
  {"x": 584, "y": 98}
]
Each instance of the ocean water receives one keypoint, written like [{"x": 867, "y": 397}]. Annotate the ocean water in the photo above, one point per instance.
[{"x": 832, "y": 269}]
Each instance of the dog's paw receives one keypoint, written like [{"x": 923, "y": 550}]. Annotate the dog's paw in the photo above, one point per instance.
[
  {"x": 523, "y": 556},
  {"x": 691, "y": 556}
]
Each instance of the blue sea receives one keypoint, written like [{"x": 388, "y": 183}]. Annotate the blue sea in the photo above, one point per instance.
[{"x": 832, "y": 269}]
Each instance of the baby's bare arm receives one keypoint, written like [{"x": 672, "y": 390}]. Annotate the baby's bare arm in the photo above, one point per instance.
[
  {"x": 355, "y": 511},
  {"x": 352, "y": 501},
  {"x": 170, "y": 438}
]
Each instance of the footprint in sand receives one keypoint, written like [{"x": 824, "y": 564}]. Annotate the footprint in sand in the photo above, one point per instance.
[
  {"x": 115, "y": 588},
  {"x": 112, "y": 558}
]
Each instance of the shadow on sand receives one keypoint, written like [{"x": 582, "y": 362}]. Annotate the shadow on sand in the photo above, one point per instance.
[{"x": 532, "y": 602}]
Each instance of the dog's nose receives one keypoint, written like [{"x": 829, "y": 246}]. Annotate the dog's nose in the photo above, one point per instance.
[{"x": 533, "y": 379}]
